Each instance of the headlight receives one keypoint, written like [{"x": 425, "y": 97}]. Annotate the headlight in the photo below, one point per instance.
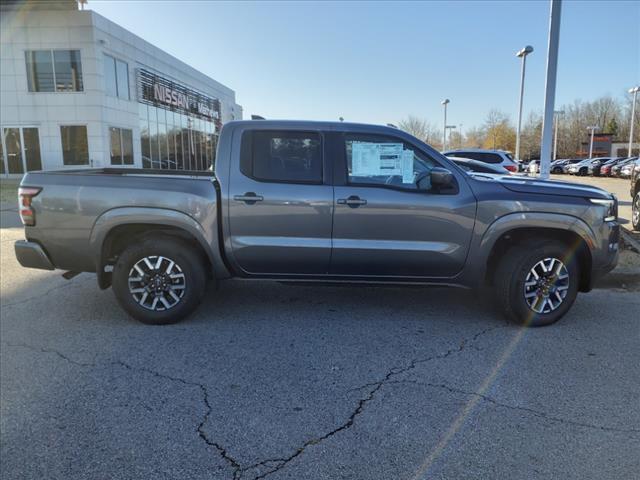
[{"x": 611, "y": 207}]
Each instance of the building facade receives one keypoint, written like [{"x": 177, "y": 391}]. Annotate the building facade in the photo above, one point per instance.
[{"x": 79, "y": 91}]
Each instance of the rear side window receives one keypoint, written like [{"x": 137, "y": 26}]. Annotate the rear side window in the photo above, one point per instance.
[{"x": 282, "y": 156}]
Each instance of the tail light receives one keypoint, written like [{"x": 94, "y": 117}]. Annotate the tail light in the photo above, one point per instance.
[
  {"x": 25, "y": 197},
  {"x": 511, "y": 168}
]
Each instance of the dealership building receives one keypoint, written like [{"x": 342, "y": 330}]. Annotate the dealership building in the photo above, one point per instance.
[{"x": 79, "y": 91}]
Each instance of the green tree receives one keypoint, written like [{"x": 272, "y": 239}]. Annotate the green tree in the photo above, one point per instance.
[{"x": 612, "y": 127}]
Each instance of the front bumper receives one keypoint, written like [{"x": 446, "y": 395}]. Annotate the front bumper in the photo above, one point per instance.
[
  {"x": 31, "y": 255},
  {"x": 608, "y": 260}
]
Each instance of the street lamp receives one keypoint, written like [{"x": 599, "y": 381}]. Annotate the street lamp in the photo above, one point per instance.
[
  {"x": 592, "y": 129},
  {"x": 522, "y": 54},
  {"x": 449, "y": 127},
  {"x": 633, "y": 90},
  {"x": 445, "y": 102},
  {"x": 557, "y": 113},
  {"x": 460, "y": 132}
]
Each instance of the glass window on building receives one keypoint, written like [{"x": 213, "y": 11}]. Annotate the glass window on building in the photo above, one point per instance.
[
  {"x": 32, "y": 149},
  {"x": 22, "y": 147},
  {"x": 75, "y": 145},
  {"x": 110, "y": 79},
  {"x": 40, "y": 71},
  {"x": 121, "y": 146},
  {"x": 68, "y": 70},
  {"x": 2, "y": 169},
  {"x": 13, "y": 144},
  {"x": 116, "y": 75},
  {"x": 54, "y": 71},
  {"x": 122, "y": 72},
  {"x": 174, "y": 140}
]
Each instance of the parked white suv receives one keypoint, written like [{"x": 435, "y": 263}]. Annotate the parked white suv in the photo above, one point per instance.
[{"x": 495, "y": 157}]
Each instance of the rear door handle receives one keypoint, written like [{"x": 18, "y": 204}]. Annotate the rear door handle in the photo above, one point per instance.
[
  {"x": 353, "y": 201},
  {"x": 249, "y": 198}
]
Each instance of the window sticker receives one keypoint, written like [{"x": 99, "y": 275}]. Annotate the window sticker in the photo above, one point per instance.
[{"x": 381, "y": 159}]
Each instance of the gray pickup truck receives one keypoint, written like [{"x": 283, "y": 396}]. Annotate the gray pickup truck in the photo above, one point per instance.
[{"x": 320, "y": 202}]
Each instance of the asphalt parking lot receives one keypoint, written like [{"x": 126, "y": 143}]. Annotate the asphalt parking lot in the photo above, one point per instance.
[{"x": 280, "y": 382}]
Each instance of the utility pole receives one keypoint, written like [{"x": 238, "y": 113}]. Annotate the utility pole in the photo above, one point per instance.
[
  {"x": 445, "y": 102},
  {"x": 550, "y": 87},
  {"x": 593, "y": 130},
  {"x": 522, "y": 54},
  {"x": 633, "y": 90},
  {"x": 555, "y": 137}
]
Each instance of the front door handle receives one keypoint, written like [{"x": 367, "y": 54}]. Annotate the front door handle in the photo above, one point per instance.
[
  {"x": 353, "y": 201},
  {"x": 249, "y": 198}
]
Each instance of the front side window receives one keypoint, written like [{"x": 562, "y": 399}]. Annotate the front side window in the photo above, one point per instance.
[
  {"x": 75, "y": 146},
  {"x": 54, "y": 71},
  {"x": 285, "y": 156},
  {"x": 384, "y": 161},
  {"x": 121, "y": 146}
]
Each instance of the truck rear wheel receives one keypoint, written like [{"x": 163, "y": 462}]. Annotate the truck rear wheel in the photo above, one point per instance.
[
  {"x": 537, "y": 284},
  {"x": 159, "y": 281}
]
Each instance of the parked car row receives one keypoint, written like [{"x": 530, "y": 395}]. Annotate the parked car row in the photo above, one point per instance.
[{"x": 610, "y": 167}]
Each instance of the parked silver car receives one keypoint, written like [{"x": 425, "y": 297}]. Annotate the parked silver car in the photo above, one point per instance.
[{"x": 494, "y": 157}]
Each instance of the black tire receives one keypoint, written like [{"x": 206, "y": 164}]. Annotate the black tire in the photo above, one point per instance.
[
  {"x": 635, "y": 212},
  {"x": 188, "y": 266},
  {"x": 512, "y": 273}
]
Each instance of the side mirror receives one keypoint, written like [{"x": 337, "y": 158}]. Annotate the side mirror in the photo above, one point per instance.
[
  {"x": 441, "y": 178},
  {"x": 437, "y": 179}
]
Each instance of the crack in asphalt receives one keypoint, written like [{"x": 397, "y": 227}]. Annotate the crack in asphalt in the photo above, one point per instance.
[
  {"x": 532, "y": 411},
  {"x": 203, "y": 390},
  {"x": 374, "y": 388},
  {"x": 274, "y": 465}
]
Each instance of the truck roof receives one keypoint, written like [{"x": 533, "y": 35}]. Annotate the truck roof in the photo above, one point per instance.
[{"x": 317, "y": 125}]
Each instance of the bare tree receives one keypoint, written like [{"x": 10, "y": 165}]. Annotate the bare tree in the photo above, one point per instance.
[{"x": 421, "y": 129}]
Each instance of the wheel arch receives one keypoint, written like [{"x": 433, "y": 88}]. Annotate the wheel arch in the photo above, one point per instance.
[
  {"x": 117, "y": 228},
  {"x": 568, "y": 230}
]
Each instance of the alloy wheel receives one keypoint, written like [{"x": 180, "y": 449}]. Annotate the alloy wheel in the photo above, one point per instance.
[
  {"x": 635, "y": 210},
  {"x": 157, "y": 283},
  {"x": 546, "y": 285}
]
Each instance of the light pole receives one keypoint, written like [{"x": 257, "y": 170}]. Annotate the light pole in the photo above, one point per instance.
[
  {"x": 592, "y": 129},
  {"x": 555, "y": 138},
  {"x": 460, "y": 131},
  {"x": 449, "y": 127},
  {"x": 633, "y": 90},
  {"x": 445, "y": 102},
  {"x": 522, "y": 54},
  {"x": 550, "y": 87}
]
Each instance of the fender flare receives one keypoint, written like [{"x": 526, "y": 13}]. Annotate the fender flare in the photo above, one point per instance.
[
  {"x": 117, "y": 217},
  {"x": 524, "y": 220}
]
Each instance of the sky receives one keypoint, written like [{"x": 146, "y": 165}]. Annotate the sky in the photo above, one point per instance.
[{"x": 378, "y": 62}]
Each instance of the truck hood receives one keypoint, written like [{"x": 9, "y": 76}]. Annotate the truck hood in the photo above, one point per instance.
[{"x": 549, "y": 187}]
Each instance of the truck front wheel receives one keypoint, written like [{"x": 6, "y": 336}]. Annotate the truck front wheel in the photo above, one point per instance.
[
  {"x": 159, "y": 281},
  {"x": 635, "y": 212},
  {"x": 537, "y": 284}
]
